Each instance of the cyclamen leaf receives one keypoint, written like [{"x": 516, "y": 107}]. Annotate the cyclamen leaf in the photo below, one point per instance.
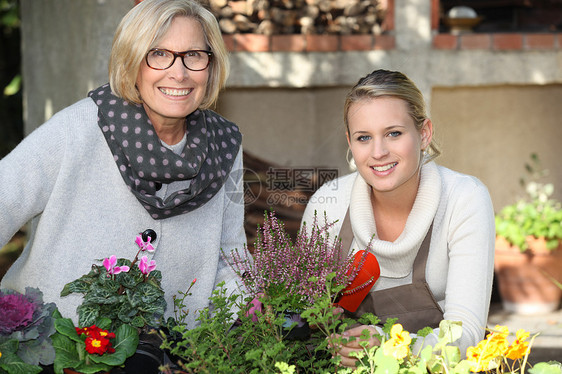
[
  {"x": 138, "y": 321},
  {"x": 145, "y": 294},
  {"x": 77, "y": 286},
  {"x": 87, "y": 314},
  {"x": 156, "y": 307},
  {"x": 126, "y": 312},
  {"x": 101, "y": 296}
]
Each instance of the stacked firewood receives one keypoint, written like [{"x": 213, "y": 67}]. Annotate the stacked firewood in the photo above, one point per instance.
[{"x": 274, "y": 17}]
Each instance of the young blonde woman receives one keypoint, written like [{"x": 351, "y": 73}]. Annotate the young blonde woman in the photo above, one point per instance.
[{"x": 430, "y": 228}]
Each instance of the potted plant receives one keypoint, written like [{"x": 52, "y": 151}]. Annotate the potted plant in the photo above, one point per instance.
[
  {"x": 26, "y": 327},
  {"x": 528, "y": 247},
  {"x": 122, "y": 290},
  {"x": 92, "y": 349},
  {"x": 287, "y": 277},
  {"x": 286, "y": 285},
  {"x": 120, "y": 297}
]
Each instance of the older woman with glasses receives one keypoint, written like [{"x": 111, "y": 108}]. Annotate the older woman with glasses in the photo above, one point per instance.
[{"x": 142, "y": 152}]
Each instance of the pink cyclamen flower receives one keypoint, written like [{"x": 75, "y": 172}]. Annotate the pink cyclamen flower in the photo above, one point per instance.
[
  {"x": 146, "y": 267},
  {"x": 109, "y": 264},
  {"x": 144, "y": 246}
]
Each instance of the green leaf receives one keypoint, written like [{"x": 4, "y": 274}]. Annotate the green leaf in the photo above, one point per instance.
[
  {"x": 111, "y": 359},
  {"x": 103, "y": 323},
  {"x": 66, "y": 327},
  {"x": 425, "y": 332},
  {"x": 77, "y": 286},
  {"x": 102, "y": 296},
  {"x": 452, "y": 354},
  {"x": 462, "y": 368},
  {"x": 66, "y": 352},
  {"x": 449, "y": 332},
  {"x": 9, "y": 346},
  {"x": 551, "y": 367},
  {"x": 145, "y": 293},
  {"x": 88, "y": 314},
  {"x": 385, "y": 364},
  {"x": 13, "y": 87},
  {"x": 91, "y": 368},
  {"x": 15, "y": 365},
  {"x": 126, "y": 339}
]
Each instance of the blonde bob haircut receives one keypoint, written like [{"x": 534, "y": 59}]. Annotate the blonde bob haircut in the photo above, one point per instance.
[
  {"x": 143, "y": 27},
  {"x": 384, "y": 83}
]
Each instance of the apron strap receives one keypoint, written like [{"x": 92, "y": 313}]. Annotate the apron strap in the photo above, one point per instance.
[
  {"x": 421, "y": 258},
  {"x": 346, "y": 235}
]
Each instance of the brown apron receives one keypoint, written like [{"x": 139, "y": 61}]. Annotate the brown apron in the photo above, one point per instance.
[{"x": 413, "y": 304}]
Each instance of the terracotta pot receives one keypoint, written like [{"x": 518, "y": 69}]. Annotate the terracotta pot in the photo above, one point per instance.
[{"x": 523, "y": 277}]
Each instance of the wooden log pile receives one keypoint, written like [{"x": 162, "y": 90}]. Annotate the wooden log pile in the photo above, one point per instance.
[{"x": 275, "y": 17}]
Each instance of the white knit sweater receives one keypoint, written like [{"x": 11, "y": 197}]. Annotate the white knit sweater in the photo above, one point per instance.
[
  {"x": 64, "y": 177},
  {"x": 461, "y": 256}
]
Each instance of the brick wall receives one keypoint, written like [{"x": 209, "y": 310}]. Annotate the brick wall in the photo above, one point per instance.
[
  {"x": 499, "y": 41},
  {"x": 307, "y": 43}
]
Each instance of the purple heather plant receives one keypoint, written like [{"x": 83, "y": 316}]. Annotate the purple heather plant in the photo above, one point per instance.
[
  {"x": 299, "y": 270},
  {"x": 25, "y": 318}
]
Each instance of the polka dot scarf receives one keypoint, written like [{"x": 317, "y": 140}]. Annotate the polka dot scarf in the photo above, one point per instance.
[{"x": 145, "y": 164}]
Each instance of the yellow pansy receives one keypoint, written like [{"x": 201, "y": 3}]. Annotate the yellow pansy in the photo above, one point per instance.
[{"x": 398, "y": 346}]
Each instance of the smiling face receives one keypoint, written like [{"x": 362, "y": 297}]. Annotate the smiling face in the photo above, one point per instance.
[
  {"x": 170, "y": 95},
  {"x": 386, "y": 145}
]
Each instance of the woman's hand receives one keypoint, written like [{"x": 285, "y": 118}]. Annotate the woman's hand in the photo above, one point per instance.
[{"x": 354, "y": 346}]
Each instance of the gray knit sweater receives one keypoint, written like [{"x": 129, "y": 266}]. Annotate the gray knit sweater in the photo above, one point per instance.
[{"x": 63, "y": 177}]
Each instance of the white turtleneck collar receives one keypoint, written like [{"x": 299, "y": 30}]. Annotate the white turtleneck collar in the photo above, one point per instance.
[{"x": 396, "y": 258}]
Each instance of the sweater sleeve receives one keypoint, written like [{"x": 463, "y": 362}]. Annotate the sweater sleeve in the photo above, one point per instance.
[
  {"x": 470, "y": 234},
  {"x": 233, "y": 235},
  {"x": 471, "y": 263},
  {"x": 28, "y": 174}
]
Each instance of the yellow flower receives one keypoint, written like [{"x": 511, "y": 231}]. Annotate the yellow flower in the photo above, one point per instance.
[
  {"x": 398, "y": 346},
  {"x": 488, "y": 353},
  {"x": 519, "y": 348}
]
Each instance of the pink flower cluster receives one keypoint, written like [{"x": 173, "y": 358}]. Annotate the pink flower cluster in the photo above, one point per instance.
[
  {"x": 298, "y": 269},
  {"x": 144, "y": 265}
]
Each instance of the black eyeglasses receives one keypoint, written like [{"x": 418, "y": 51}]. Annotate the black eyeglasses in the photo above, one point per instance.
[{"x": 194, "y": 60}]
